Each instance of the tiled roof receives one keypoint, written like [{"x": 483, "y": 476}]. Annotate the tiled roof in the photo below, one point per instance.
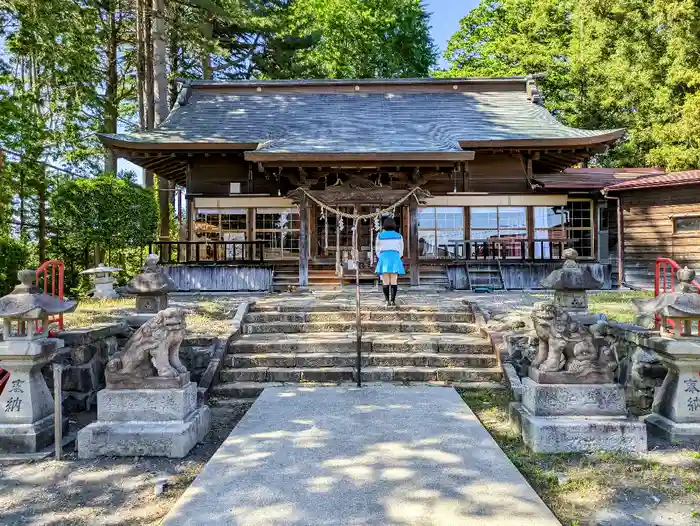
[
  {"x": 308, "y": 116},
  {"x": 592, "y": 178},
  {"x": 656, "y": 181}
]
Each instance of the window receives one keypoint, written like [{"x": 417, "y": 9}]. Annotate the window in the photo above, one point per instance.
[
  {"x": 221, "y": 224},
  {"x": 438, "y": 228},
  {"x": 279, "y": 228},
  {"x": 504, "y": 228},
  {"x": 572, "y": 223},
  {"x": 579, "y": 226},
  {"x": 686, "y": 224}
]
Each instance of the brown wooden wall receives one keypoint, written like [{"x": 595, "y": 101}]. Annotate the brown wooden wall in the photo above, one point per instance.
[
  {"x": 648, "y": 230},
  {"x": 495, "y": 173}
]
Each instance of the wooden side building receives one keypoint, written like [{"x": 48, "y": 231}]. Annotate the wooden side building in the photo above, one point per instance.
[
  {"x": 498, "y": 204},
  {"x": 660, "y": 219}
]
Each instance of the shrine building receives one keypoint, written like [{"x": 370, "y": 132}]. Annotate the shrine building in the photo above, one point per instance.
[{"x": 477, "y": 173}]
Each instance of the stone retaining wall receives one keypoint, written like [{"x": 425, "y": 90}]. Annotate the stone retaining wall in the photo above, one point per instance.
[
  {"x": 85, "y": 355},
  {"x": 87, "y": 351}
]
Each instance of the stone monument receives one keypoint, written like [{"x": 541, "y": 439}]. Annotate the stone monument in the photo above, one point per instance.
[
  {"x": 570, "y": 401},
  {"x": 676, "y": 407},
  {"x": 151, "y": 288},
  {"x": 570, "y": 284},
  {"x": 149, "y": 407},
  {"x": 26, "y": 405},
  {"x": 103, "y": 278}
]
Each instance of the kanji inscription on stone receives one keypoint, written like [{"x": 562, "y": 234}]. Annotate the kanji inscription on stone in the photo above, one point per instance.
[
  {"x": 694, "y": 404},
  {"x": 13, "y": 404},
  {"x": 16, "y": 386}
]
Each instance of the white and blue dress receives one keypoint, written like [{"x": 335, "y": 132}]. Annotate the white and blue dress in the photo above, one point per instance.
[{"x": 390, "y": 250}]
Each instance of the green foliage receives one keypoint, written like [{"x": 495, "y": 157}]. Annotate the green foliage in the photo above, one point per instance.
[
  {"x": 14, "y": 256},
  {"x": 609, "y": 64},
  {"x": 104, "y": 212},
  {"x": 363, "y": 38}
]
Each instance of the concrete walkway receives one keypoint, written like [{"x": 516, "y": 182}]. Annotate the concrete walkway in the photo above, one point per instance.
[{"x": 380, "y": 455}]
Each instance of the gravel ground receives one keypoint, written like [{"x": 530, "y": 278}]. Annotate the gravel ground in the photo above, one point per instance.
[{"x": 105, "y": 491}]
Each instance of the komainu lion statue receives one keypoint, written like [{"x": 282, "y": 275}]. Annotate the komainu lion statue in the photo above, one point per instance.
[
  {"x": 567, "y": 345},
  {"x": 153, "y": 350}
]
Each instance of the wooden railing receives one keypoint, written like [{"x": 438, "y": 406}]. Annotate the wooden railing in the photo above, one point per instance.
[
  {"x": 203, "y": 253},
  {"x": 515, "y": 250}
]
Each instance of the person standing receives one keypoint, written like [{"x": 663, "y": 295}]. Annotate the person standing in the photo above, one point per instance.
[{"x": 389, "y": 265}]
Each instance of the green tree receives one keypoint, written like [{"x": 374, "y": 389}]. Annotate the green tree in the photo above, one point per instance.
[
  {"x": 609, "y": 64},
  {"x": 362, "y": 38},
  {"x": 102, "y": 212}
]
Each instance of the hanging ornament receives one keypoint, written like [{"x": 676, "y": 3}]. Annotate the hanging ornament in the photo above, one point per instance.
[
  {"x": 325, "y": 233},
  {"x": 377, "y": 223},
  {"x": 341, "y": 224}
]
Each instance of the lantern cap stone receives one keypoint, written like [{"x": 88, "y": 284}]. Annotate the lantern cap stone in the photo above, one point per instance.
[
  {"x": 101, "y": 269},
  {"x": 151, "y": 280},
  {"x": 684, "y": 302},
  {"x": 571, "y": 276},
  {"x": 27, "y": 301}
]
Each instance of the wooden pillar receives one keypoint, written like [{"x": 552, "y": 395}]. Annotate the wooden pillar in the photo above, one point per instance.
[
  {"x": 303, "y": 242},
  {"x": 338, "y": 262},
  {"x": 414, "y": 271}
]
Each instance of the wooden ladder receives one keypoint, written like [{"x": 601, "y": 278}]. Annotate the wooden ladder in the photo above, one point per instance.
[{"x": 485, "y": 271}]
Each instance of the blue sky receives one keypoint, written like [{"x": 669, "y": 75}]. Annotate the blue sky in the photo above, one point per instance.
[
  {"x": 444, "y": 20},
  {"x": 445, "y": 17}
]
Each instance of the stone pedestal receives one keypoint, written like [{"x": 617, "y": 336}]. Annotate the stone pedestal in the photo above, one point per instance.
[
  {"x": 569, "y": 418},
  {"x": 676, "y": 409},
  {"x": 26, "y": 404},
  {"x": 145, "y": 422}
]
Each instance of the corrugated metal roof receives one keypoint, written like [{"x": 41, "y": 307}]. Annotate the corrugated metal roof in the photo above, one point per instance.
[
  {"x": 592, "y": 178},
  {"x": 656, "y": 181},
  {"x": 314, "y": 120}
]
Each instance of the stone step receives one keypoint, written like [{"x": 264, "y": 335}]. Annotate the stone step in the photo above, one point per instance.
[
  {"x": 340, "y": 306},
  {"x": 349, "y": 359},
  {"x": 346, "y": 326},
  {"x": 244, "y": 393},
  {"x": 386, "y": 315},
  {"x": 369, "y": 374},
  {"x": 333, "y": 342}
]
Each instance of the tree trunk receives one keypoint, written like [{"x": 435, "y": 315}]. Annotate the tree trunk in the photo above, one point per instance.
[
  {"x": 148, "y": 76},
  {"x": 207, "y": 33},
  {"x": 141, "y": 62},
  {"x": 160, "y": 84},
  {"x": 111, "y": 103},
  {"x": 41, "y": 235}
]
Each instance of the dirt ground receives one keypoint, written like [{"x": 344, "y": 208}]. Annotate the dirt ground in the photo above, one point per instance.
[
  {"x": 106, "y": 491},
  {"x": 659, "y": 488}
]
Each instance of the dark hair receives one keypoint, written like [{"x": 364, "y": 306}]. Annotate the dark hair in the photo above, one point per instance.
[{"x": 389, "y": 224}]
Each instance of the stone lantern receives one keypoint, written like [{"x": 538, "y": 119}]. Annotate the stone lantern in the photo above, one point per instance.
[
  {"x": 26, "y": 405},
  {"x": 103, "y": 278},
  {"x": 151, "y": 288},
  {"x": 570, "y": 283},
  {"x": 682, "y": 306}
]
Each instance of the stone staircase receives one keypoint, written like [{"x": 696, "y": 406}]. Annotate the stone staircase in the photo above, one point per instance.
[{"x": 315, "y": 342}]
